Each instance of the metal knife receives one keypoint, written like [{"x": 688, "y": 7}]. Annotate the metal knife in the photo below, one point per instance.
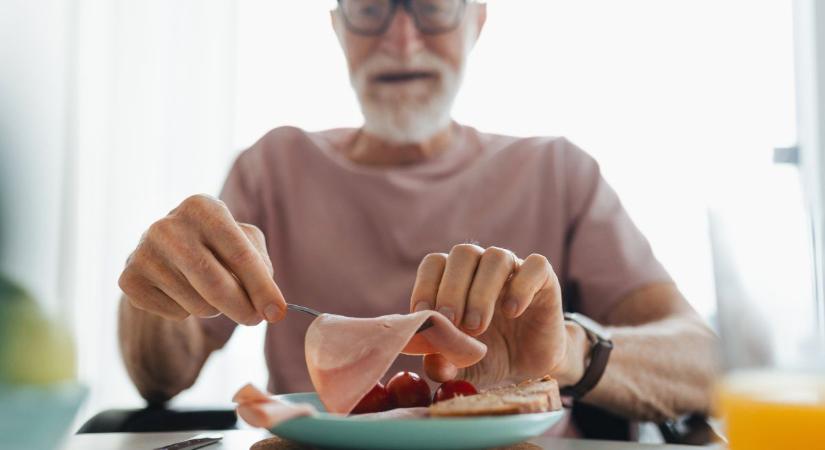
[{"x": 198, "y": 441}]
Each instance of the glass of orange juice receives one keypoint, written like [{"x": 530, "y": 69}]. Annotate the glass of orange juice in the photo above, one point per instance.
[{"x": 771, "y": 394}]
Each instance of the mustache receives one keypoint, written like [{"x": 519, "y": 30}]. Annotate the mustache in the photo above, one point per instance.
[{"x": 384, "y": 67}]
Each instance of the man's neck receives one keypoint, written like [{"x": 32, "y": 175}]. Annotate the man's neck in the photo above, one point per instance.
[{"x": 372, "y": 150}]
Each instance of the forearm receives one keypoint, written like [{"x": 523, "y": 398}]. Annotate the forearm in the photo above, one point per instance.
[
  {"x": 658, "y": 370},
  {"x": 163, "y": 357}
]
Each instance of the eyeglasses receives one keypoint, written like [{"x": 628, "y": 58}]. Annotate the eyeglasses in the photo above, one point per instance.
[{"x": 373, "y": 17}]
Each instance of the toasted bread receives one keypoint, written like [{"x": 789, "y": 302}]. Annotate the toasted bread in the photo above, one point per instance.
[{"x": 526, "y": 397}]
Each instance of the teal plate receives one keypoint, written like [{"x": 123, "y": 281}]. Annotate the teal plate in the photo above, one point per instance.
[
  {"x": 38, "y": 417},
  {"x": 463, "y": 433}
]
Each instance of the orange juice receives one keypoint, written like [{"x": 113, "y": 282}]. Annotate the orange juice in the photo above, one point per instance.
[{"x": 771, "y": 410}]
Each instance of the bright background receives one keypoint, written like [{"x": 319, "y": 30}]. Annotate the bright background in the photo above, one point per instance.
[{"x": 115, "y": 110}]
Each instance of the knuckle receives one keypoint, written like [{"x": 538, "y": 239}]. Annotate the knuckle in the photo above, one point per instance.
[
  {"x": 129, "y": 282},
  {"x": 220, "y": 287},
  {"x": 243, "y": 257},
  {"x": 203, "y": 309},
  {"x": 137, "y": 303},
  {"x": 538, "y": 259},
  {"x": 498, "y": 255},
  {"x": 434, "y": 259},
  {"x": 196, "y": 205},
  {"x": 253, "y": 232},
  {"x": 162, "y": 230},
  {"x": 249, "y": 228},
  {"x": 136, "y": 262},
  {"x": 147, "y": 305},
  {"x": 204, "y": 264},
  {"x": 467, "y": 250},
  {"x": 198, "y": 201}
]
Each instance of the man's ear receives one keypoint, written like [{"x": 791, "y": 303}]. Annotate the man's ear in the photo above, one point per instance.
[
  {"x": 481, "y": 17},
  {"x": 475, "y": 24},
  {"x": 337, "y": 26}
]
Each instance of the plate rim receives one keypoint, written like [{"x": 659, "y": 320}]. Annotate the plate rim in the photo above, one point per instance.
[{"x": 332, "y": 417}]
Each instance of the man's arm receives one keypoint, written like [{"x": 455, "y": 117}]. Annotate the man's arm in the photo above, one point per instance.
[
  {"x": 163, "y": 357},
  {"x": 663, "y": 361},
  {"x": 196, "y": 262}
]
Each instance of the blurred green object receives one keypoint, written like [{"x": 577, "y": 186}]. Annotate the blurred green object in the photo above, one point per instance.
[
  {"x": 38, "y": 397},
  {"x": 33, "y": 349}
]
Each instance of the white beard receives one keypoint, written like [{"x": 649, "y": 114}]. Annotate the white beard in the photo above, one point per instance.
[{"x": 410, "y": 113}]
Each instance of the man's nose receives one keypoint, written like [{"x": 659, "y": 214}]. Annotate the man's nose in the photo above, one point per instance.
[{"x": 402, "y": 39}]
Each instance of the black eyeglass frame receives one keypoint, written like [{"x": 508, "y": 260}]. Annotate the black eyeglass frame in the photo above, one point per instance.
[{"x": 407, "y": 5}]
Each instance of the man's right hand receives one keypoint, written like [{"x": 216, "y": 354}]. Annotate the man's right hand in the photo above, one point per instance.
[{"x": 199, "y": 261}]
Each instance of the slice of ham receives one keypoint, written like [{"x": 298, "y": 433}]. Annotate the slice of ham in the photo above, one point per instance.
[
  {"x": 260, "y": 410},
  {"x": 346, "y": 356}
]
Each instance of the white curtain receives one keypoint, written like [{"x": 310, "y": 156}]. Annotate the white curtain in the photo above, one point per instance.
[
  {"x": 669, "y": 95},
  {"x": 155, "y": 113}
]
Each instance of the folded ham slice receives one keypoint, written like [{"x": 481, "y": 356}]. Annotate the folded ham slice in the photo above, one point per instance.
[
  {"x": 260, "y": 410},
  {"x": 346, "y": 356}
]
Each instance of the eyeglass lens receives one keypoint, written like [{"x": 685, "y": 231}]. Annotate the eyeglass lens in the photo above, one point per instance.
[{"x": 373, "y": 16}]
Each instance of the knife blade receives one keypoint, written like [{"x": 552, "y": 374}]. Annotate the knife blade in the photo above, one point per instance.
[{"x": 197, "y": 441}]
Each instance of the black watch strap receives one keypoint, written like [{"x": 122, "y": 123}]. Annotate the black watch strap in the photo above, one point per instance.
[{"x": 598, "y": 357}]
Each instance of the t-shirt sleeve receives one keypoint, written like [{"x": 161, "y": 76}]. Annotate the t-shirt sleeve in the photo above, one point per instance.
[
  {"x": 608, "y": 257},
  {"x": 239, "y": 197}
]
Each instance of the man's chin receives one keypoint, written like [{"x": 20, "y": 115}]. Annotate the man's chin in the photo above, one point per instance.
[
  {"x": 405, "y": 126},
  {"x": 407, "y": 114}
]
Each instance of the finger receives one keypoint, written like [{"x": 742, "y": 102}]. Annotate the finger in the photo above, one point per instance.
[
  {"x": 175, "y": 285},
  {"x": 271, "y": 312},
  {"x": 217, "y": 285},
  {"x": 145, "y": 297},
  {"x": 455, "y": 283},
  {"x": 257, "y": 238},
  {"x": 533, "y": 274},
  {"x": 232, "y": 247},
  {"x": 175, "y": 246},
  {"x": 438, "y": 368},
  {"x": 493, "y": 271},
  {"x": 427, "y": 280}
]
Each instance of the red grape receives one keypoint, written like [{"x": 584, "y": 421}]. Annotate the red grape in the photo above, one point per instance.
[
  {"x": 408, "y": 390},
  {"x": 376, "y": 400},
  {"x": 452, "y": 388}
]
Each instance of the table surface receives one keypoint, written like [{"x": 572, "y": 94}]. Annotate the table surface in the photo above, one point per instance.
[{"x": 243, "y": 439}]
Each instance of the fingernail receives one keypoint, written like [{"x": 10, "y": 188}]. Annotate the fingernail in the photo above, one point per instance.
[
  {"x": 447, "y": 312},
  {"x": 421, "y": 306},
  {"x": 472, "y": 320},
  {"x": 510, "y": 306},
  {"x": 271, "y": 313}
]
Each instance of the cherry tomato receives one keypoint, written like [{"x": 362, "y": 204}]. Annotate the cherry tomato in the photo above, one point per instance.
[
  {"x": 408, "y": 390},
  {"x": 452, "y": 388},
  {"x": 376, "y": 400}
]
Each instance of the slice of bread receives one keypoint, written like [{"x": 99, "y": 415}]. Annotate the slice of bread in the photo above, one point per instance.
[{"x": 526, "y": 397}]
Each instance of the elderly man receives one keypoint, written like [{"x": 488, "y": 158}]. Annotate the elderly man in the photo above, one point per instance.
[{"x": 413, "y": 211}]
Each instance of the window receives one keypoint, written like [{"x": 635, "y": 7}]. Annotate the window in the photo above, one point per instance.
[{"x": 677, "y": 99}]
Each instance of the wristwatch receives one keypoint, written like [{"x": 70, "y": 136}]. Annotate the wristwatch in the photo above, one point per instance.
[{"x": 600, "y": 348}]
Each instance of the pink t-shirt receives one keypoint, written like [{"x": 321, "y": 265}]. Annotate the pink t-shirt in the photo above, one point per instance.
[{"x": 347, "y": 238}]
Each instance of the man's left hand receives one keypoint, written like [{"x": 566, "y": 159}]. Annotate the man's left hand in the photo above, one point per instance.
[{"x": 512, "y": 305}]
